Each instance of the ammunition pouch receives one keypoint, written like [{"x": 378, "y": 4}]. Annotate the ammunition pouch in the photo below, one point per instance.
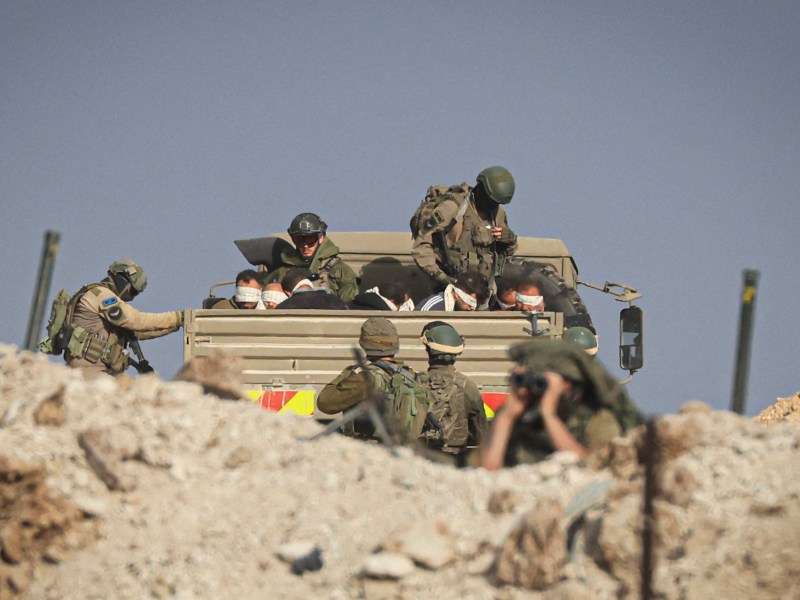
[{"x": 94, "y": 348}]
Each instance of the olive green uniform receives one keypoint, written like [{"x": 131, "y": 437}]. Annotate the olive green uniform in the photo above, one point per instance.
[
  {"x": 597, "y": 412},
  {"x": 469, "y": 240},
  {"x": 458, "y": 405},
  {"x": 109, "y": 319},
  {"x": 351, "y": 387},
  {"x": 333, "y": 272}
]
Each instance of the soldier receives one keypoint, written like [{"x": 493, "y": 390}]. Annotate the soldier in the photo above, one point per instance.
[
  {"x": 248, "y": 293},
  {"x": 100, "y": 323},
  {"x": 560, "y": 400},
  {"x": 472, "y": 223},
  {"x": 318, "y": 255},
  {"x": 407, "y": 401},
  {"x": 455, "y": 400}
]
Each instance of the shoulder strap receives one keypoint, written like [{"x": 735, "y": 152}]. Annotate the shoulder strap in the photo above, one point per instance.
[
  {"x": 73, "y": 302},
  {"x": 330, "y": 263},
  {"x": 395, "y": 369}
]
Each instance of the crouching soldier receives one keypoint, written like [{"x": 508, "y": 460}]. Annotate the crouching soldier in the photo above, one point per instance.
[
  {"x": 455, "y": 400},
  {"x": 561, "y": 399},
  {"x": 100, "y": 323},
  {"x": 405, "y": 402}
]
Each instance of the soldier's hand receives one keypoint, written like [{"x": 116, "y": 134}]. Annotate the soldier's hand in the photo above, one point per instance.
[
  {"x": 497, "y": 232},
  {"x": 557, "y": 387}
]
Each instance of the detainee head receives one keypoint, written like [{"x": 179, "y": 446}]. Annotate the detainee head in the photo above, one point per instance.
[
  {"x": 529, "y": 296},
  {"x": 248, "y": 289},
  {"x": 470, "y": 290}
]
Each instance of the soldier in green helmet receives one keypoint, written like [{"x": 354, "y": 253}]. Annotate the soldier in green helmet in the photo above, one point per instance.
[
  {"x": 455, "y": 400},
  {"x": 465, "y": 227},
  {"x": 100, "y": 322},
  {"x": 315, "y": 253},
  {"x": 406, "y": 401}
]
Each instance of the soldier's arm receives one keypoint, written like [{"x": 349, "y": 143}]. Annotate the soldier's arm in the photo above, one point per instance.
[
  {"x": 601, "y": 429},
  {"x": 348, "y": 389},
  {"x": 146, "y": 325},
  {"x": 478, "y": 424},
  {"x": 345, "y": 281}
]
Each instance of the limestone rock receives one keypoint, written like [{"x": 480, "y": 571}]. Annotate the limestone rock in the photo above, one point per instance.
[
  {"x": 220, "y": 374},
  {"x": 388, "y": 565},
  {"x": 534, "y": 554}
]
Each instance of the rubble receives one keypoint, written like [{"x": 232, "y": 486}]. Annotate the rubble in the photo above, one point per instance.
[{"x": 145, "y": 488}]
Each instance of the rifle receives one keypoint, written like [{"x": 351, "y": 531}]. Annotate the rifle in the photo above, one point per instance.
[
  {"x": 440, "y": 240},
  {"x": 373, "y": 406},
  {"x": 142, "y": 365}
]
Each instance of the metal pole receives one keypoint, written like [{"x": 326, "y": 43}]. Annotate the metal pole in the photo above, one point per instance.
[
  {"x": 42, "y": 289},
  {"x": 746, "y": 317}
]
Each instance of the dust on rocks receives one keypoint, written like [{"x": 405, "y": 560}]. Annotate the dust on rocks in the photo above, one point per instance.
[{"x": 158, "y": 489}]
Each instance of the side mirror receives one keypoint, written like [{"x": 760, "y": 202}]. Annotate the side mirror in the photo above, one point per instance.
[{"x": 631, "y": 338}]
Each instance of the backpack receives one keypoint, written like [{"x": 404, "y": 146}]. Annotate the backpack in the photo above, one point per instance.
[
  {"x": 408, "y": 401},
  {"x": 426, "y": 217},
  {"x": 448, "y": 405},
  {"x": 57, "y": 335}
]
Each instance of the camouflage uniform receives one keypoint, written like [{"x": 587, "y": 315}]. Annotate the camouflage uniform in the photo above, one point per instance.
[
  {"x": 598, "y": 410},
  {"x": 458, "y": 406},
  {"x": 101, "y": 312},
  {"x": 470, "y": 240},
  {"x": 333, "y": 272}
]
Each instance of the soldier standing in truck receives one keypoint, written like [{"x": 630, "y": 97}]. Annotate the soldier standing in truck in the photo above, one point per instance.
[
  {"x": 466, "y": 228},
  {"x": 318, "y": 255}
]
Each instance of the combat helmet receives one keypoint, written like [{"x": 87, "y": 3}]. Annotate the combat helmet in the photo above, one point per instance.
[
  {"x": 307, "y": 224},
  {"x": 498, "y": 183},
  {"x": 130, "y": 272},
  {"x": 442, "y": 341},
  {"x": 584, "y": 337},
  {"x": 379, "y": 337}
]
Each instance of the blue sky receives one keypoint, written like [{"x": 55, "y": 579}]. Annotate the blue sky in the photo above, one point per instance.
[{"x": 660, "y": 141}]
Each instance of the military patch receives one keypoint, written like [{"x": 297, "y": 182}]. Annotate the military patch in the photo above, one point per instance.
[
  {"x": 109, "y": 302},
  {"x": 115, "y": 314}
]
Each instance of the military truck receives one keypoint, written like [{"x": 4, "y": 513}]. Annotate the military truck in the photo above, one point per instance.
[{"x": 289, "y": 355}]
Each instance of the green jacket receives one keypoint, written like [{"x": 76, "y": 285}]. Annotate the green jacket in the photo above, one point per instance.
[{"x": 334, "y": 273}]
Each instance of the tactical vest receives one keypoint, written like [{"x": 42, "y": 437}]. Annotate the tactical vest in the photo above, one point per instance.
[
  {"x": 449, "y": 406},
  {"x": 408, "y": 401},
  {"x": 94, "y": 347},
  {"x": 321, "y": 277}
]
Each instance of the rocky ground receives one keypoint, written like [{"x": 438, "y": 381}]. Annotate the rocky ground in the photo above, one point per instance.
[{"x": 144, "y": 488}]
